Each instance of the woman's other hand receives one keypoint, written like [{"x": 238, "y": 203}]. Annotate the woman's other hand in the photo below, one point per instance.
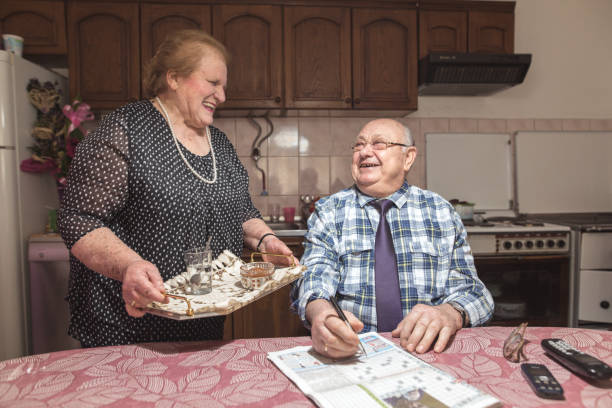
[
  {"x": 274, "y": 245},
  {"x": 142, "y": 284}
]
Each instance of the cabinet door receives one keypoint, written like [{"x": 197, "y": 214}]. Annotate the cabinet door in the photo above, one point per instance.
[
  {"x": 491, "y": 32},
  {"x": 41, "y": 24},
  {"x": 158, "y": 20},
  {"x": 104, "y": 58},
  {"x": 270, "y": 316},
  {"x": 442, "y": 31},
  {"x": 253, "y": 37},
  {"x": 318, "y": 57},
  {"x": 384, "y": 59}
]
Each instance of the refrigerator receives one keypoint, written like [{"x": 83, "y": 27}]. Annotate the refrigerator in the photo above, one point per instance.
[{"x": 25, "y": 198}]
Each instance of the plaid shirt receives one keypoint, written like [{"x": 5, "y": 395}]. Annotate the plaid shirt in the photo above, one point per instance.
[{"x": 434, "y": 260}]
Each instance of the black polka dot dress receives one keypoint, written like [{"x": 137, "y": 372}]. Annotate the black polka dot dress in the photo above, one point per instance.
[{"x": 129, "y": 177}]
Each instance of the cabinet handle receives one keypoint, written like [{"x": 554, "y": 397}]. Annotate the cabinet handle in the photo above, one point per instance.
[
  {"x": 604, "y": 304},
  {"x": 347, "y": 100},
  {"x": 357, "y": 101},
  {"x": 277, "y": 99}
]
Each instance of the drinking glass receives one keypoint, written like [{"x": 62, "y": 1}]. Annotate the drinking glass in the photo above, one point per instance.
[{"x": 199, "y": 271}]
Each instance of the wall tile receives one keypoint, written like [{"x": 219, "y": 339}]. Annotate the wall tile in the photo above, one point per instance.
[
  {"x": 261, "y": 203},
  {"x": 491, "y": 126},
  {"x": 314, "y": 136},
  {"x": 463, "y": 125},
  {"x": 284, "y": 139},
  {"x": 414, "y": 125},
  {"x": 227, "y": 126},
  {"x": 601, "y": 124},
  {"x": 431, "y": 125},
  {"x": 343, "y": 132},
  {"x": 283, "y": 201},
  {"x": 255, "y": 177},
  {"x": 246, "y": 133},
  {"x": 576, "y": 124},
  {"x": 340, "y": 172},
  {"x": 548, "y": 124},
  {"x": 283, "y": 175},
  {"x": 314, "y": 175},
  {"x": 515, "y": 125}
]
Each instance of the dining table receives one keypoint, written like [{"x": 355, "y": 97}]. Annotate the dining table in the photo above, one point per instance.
[{"x": 237, "y": 373}]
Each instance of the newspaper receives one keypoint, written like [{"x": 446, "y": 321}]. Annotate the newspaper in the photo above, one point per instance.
[{"x": 387, "y": 377}]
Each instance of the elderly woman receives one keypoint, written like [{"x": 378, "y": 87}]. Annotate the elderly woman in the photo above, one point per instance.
[{"x": 154, "y": 180}]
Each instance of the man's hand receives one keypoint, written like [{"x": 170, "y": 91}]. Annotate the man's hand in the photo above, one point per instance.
[
  {"x": 419, "y": 328},
  {"x": 142, "y": 284},
  {"x": 331, "y": 337}
]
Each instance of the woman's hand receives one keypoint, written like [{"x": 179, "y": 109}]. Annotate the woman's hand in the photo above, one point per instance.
[
  {"x": 274, "y": 245},
  {"x": 142, "y": 284}
]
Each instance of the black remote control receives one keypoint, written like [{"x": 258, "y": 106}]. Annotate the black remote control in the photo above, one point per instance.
[
  {"x": 577, "y": 361},
  {"x": 542, "y": 381}
]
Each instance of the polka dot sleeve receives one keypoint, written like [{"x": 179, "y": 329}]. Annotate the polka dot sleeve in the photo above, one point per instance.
[{"x": 98, "y": 182}]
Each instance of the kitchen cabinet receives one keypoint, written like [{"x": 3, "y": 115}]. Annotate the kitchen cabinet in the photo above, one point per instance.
[
  {"x": 479, "y": 27},
  {"x": 104, "y": 58},
  {"x": 41, "y": 24},
  {"x": 331, "y": 63},
  {"x": 318, "y": 57},
  {"x": 158, "y": 20},
  {"x": 253, "y": 37},
  {"x": 442, "y": 31},
  {"x": 384, "y": 59},
  {"x": 270, "y": 316},
  {"x": 491, "y": 32}
]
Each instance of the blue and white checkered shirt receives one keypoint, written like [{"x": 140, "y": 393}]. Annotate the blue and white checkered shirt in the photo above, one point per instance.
[{"x": 434, "y": 260}]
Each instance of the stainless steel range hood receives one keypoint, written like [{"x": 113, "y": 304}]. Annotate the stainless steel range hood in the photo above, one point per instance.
[{"x": 471, "y": 74}]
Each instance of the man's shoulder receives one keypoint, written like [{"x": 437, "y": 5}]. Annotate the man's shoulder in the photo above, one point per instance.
[
  {"x": 340, "y": 199},
  {"x": 421, "y": 197}
]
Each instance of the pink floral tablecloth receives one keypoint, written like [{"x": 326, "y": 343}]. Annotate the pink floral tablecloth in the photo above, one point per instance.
[{"x": 237, "y": 373}]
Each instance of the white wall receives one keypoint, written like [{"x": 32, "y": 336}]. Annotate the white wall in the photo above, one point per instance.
[{"x": 571, "y": 70}]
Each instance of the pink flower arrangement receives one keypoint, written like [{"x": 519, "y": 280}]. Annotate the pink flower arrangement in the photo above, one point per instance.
[{"x": 56, "y": 131}]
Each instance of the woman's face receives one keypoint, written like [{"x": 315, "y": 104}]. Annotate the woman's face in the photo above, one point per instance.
[{"x": 202, "y": 91}]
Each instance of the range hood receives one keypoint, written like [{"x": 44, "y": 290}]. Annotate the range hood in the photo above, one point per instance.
[{"x": 471, "y": 74}]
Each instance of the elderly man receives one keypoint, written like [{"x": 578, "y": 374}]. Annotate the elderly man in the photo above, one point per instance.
[{"x": 409, "y": 271}]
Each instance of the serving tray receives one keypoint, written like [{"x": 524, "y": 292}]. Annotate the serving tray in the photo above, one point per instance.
[{"x": 227, "y": 295}]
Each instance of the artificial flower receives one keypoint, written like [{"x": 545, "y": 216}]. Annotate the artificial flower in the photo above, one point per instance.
[{"x": 56, "y": 131}]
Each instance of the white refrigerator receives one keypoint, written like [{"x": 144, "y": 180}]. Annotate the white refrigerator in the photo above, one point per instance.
[{"x": 25, "y": 198}]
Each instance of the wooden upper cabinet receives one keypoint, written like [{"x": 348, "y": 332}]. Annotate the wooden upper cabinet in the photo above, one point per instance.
[
  {"x": 317, "y": 57},
  {"x": 442, "y": 31},
  {"x": 491, "y": 32},
  {"x": 384, "y": 59},
  {"x": 104, "y": 58},
  {"x": 253, "y": 37},
  {"x": 41, "y": 24},
  {"x": 159, "y": 20}
]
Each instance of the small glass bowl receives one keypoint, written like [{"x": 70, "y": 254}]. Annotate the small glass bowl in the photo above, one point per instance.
[{"x": 254, "y": 274}]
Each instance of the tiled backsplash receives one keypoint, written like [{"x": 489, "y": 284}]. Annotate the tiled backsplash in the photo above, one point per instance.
[{"x": 312, "y": 155}]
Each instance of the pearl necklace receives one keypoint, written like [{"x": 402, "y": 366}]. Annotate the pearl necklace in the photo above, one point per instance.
[{"x": 178, "y": 147}]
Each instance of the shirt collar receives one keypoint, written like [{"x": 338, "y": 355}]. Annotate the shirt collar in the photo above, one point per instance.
[{"x": 399, "y": 197}]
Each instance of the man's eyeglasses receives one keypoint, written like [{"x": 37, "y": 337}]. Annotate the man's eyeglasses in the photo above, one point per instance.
[
  {"x": 513, "y": 345},
  {"x": 378, "y": 145}
]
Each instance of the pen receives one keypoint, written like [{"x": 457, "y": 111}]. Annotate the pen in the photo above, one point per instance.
[{"x": 342, "y": 316}]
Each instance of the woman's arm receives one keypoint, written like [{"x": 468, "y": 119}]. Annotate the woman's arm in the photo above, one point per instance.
[{"x": 254, "y": 229}]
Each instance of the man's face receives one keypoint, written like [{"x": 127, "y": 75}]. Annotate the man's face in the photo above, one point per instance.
[{"x": 379, "y": 173}]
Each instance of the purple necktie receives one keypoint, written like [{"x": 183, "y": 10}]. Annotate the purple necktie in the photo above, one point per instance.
[{"x": 388, "y": 304}]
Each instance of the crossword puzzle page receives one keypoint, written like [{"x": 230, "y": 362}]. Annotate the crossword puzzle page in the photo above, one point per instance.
[{"x": 386, "y": 376}]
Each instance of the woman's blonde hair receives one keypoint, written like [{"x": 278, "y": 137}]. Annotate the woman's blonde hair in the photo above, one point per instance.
[{"x": 180, "y": 52}]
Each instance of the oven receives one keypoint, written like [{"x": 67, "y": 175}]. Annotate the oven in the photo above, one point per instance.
[{"x": 526, "y": 267}]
